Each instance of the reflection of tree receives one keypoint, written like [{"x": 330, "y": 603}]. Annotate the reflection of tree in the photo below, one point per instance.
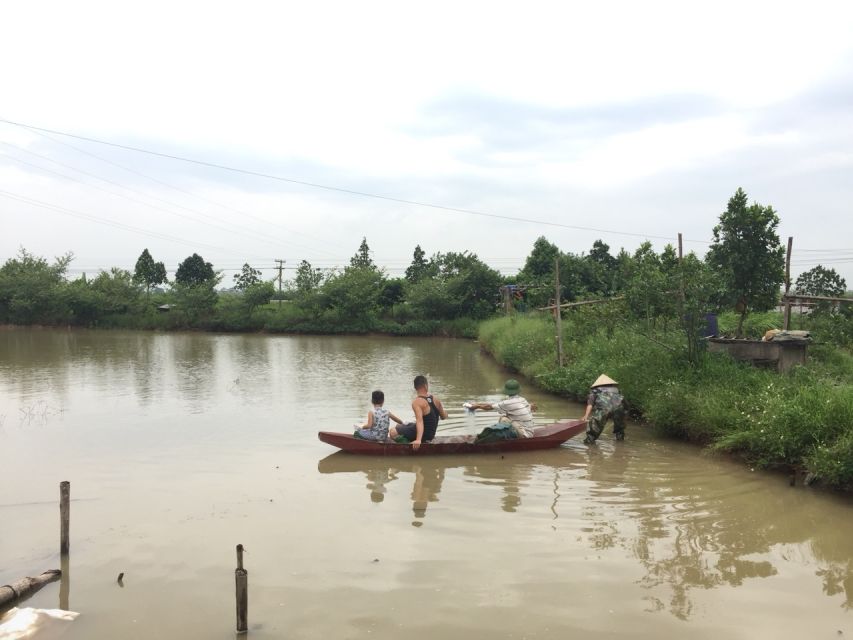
[
  {"x": 837, "y": 579},
  {"x": 195, "y": 368},
  {"x": 689, "y": 537},
  {"x": 685, "y": 529}
]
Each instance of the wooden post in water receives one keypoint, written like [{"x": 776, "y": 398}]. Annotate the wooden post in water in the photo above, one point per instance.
[
  {"x": 241, "y": 582},
  {"x": 64, "y": 515},
  {"x": 787, "y": 317},
  {"x": 558, "y": 313},
  {"x": 65, "y": 583}
]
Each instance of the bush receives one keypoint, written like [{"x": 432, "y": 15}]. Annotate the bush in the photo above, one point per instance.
[{"x": 801, "y": 420}]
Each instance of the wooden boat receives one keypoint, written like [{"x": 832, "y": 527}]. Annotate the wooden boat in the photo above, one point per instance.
[{"x": 545, "y": 437}]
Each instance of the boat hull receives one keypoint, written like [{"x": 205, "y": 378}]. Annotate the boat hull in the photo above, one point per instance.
[{"x": 546, "y": 437}]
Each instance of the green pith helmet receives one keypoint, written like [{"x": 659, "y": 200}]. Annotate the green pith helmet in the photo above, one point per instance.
[{"x": 511, "y": 387}]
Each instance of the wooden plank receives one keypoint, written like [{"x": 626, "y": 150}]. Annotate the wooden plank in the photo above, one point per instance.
[
  {"x": 25, "y": 587},
  {"x": 795, "y": 298},
  {"x": 566, "y": 305}
]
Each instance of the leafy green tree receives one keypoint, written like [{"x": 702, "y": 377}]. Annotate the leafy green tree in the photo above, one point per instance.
[
  {"x": 194, "y": 271},
  {"x": 539, "y": 265},
  {"x": 353, "y": 296},
  {"x": 257, "y": 294},
  {"x": 429, "y": 300},
  {"x": 602, "y": 271},
  {"x": 747, "y": 256},
  {"x": 648, "y": 288},
  {"x": 147, "y": 272},
  {"x": 195, "y": 302},
  {"x": 574, "y": 276},
  {"x": 307, "y": 278},
  {"x": 362, "y": 259},
  {"x": 31, "y": 289},
  {"x": 393, "y": 292},
  {"x": 85, "y": 304},
  {"x": 420, "y": 267},
  {"x": 538, "y": 273},
  {"x": 116, "y": 292},
  {"x": 701, "y": 286},
  {"x": 463, "y": 287},
  {"x": 246, "y": 278},
  {"x": 820, "y": 281}
]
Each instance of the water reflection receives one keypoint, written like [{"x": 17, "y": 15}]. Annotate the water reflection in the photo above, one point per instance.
[
  {"x": 428, "y": 476},
  {"x": 645, "y": 523},
  {"x": 195, "y": 370},
  {"x": 686, "y": 530}
]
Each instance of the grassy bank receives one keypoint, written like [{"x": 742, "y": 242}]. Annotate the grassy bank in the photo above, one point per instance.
[{"x": 802, "y": 420}]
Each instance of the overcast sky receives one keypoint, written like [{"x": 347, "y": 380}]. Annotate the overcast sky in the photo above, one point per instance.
[{"x": 612, "y": 120}]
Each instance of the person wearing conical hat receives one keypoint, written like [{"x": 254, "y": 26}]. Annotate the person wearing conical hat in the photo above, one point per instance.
[
  {"x": 514, "y": 410},
  {"x": 604, "y": 403}
]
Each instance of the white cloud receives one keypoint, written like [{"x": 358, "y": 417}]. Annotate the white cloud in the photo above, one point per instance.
[{"x": 593, "y": 107}]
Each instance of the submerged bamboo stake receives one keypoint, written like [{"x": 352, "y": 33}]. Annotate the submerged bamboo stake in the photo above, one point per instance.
[
  {"x": 64, "y": 583},
  {"x": 64, "y": 515},
  {"x": 241, "y": 583},
  {"x": 25, "y": 587}
]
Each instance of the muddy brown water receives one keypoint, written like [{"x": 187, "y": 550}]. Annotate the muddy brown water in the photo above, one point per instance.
[{"x": 180, "y": 446}]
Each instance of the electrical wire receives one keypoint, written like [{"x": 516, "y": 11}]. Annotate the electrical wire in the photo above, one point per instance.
[
  {"x": 179, "y": 189},
  {"x": 111, "y": 223},
  {"x": 364, "y": 194},
  {"x": 200, "y": 217}
]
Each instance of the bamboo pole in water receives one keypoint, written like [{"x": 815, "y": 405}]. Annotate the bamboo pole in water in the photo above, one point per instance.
[
  {"x": 64, "y": 515},
  {"x": 241, "y": 583}
]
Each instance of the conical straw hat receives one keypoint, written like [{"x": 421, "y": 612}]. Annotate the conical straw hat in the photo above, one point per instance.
[{"x": 603, "y": 380}]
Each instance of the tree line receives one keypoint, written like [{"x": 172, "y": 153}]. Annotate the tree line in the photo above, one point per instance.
[{"x": 445, "y": 292}]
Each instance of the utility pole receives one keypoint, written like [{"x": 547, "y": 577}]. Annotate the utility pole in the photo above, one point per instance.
[
  {"x": 558, "y": 313},
  {"x": 506, "y": 292},
  {"x": 280, "y": 269},
  {"x": 787, "y": 316}
]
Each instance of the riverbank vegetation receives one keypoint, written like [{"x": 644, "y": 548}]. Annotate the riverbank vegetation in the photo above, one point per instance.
[
  {"x": 802, "y": 420},
  {"x": 648, "y": 332},
  {"x": 650, "y": 336},
  {"x": 447, "y": 294}
]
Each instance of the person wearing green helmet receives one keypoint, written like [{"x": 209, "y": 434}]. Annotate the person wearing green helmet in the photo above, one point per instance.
[{"x": 514, "y": 410}]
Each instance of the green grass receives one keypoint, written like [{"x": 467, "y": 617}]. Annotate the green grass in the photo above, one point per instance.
[{"x": 801, "y": 420}]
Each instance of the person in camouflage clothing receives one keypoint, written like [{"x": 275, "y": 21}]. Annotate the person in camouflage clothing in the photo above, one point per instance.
[{"x": 604, "y": 403}]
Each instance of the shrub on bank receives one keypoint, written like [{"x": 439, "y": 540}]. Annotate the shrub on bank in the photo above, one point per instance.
[{"x": 801, "y": 420}]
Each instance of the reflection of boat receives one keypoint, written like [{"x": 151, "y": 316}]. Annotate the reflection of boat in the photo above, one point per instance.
[{"x": 547, "y": 437}]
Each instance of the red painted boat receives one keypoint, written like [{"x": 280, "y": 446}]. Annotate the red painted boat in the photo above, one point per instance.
[{"x": 545, "y": 437}]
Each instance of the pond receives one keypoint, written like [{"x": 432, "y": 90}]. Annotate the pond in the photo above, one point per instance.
[{"x": 180, "y": 446}]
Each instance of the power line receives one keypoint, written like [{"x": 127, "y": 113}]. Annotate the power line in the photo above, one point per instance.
[
  {"x": 179, "y": 189},
  {"x": 354, "y": 192},
  {"x": 199, "y": 220},
  {"x": 119, "y": 225}
]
